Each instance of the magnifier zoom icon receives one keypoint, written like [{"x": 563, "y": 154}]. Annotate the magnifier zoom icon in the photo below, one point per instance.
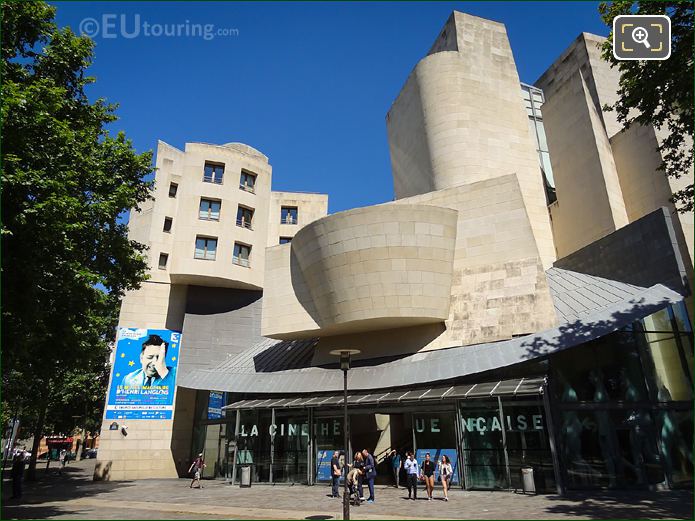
[{"x": 640, "y": 35}]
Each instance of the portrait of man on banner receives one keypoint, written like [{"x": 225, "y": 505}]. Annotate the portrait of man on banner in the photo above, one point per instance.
[{"x": 143, "y": 381}]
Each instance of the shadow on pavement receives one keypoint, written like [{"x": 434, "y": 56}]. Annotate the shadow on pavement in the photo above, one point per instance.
[
  {"x": 674, "y": 504},
  {"x": 51, "y": 486}
]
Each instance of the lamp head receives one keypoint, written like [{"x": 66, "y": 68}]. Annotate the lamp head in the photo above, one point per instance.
[{"x": 345, "y": 355}]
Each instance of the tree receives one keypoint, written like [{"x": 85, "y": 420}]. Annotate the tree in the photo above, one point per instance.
[
  {"x": 67, "y": 260},
  {"x": 660, "y": 93}
]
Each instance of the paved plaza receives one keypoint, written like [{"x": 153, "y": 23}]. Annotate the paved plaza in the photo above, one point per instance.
[{"x": 75, "y": 496}]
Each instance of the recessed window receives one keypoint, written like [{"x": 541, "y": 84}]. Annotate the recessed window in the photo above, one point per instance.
[
  {"x": 214, "y": 172},
  {"x": 242, "y": 254},
  {"x": 205, "y": 248},
  {"x": 288, "y": 215},
  {"x": 173, "y": 188},
  {"x": 247, "y": 181},
  {"x": 244, "y": 217},
  {"x": 163, "y": 259},
  {"x": 168, "y": 221},
  {"x": 209, "y": 210},
  {"x": 285, "y": 240}
]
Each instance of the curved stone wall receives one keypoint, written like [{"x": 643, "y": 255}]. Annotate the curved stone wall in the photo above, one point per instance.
[
  {"x": 376, "y": 267},
  {"x": 460, "y": 119}
]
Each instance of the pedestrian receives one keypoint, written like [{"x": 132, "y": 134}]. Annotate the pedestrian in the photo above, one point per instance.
[
  {"x": 369, "y": 473},
  {"x": 62, "y": 457},
  {"x": 335, "y": 474},
  {"x": 196, "y": 469},
  {"x": 396, "y": 466},
  {"x": 358, "y": 463},
  {"x": 17, "y": 474},
  {"x": 412, "y": 471},
  {"x": 446, "y": 471},
  {"x": 427, "y": 475}
]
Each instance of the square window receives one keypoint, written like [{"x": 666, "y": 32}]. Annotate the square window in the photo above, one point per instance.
[
  {"x": 163, "y": 258},
  {"x": 168, "y": 221},
  {"x": 242, "y": 254},
  {"x": 288, "y": 215},
  {"x": 173, "y": 188},
  {"x": 209, "y": 210},
  {"x": 213, "y": 173},
  {"x": 244, "y": 217},
  {"x": 285, "y": 240},
  {"x": 205, "y": 248},
  {"x": 247, "y": 181}
]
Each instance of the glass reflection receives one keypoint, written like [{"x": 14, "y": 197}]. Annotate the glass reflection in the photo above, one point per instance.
[{"x": 676, "y": 442}]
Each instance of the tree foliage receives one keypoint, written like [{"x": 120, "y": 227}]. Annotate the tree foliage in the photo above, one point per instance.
[
  {"x": 67, "y": 260},
  {"x": 660, "y": 93}
]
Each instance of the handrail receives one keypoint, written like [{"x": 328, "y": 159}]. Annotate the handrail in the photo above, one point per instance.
[
  {"x": 240, "y": 261},
  {"x": 243, "y": 223},
  {"x": 212, "y": 179}
]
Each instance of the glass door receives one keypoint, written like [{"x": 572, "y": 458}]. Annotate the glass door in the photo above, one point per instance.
[{"x": 484, "y": 455}]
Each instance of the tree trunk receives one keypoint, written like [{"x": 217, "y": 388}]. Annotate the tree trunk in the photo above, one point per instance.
[{"x": 38, "y": 433}]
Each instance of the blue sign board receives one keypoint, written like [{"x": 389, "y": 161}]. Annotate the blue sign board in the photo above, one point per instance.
[
  {"x": 323, "y": 465},
  {"x": 143, "y": 378},
  {"x": 436, "y": 455},
  {"x": 215, "y": 403}
]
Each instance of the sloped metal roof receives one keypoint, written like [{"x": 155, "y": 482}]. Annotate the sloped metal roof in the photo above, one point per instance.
[
  {"x": 515, "y": 387},
  {"x": 576, "y": 295},
  {"x": 587, "y": 307}
]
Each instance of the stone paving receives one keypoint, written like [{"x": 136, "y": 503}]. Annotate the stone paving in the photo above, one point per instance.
[{"x": 74, "y": 496}]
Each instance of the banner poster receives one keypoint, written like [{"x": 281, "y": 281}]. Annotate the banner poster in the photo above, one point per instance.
[
  {"x": 215, "y": 403},
  {"x": 143, "y": 378},
  {"x": 323, "y": 464},
  {"x": 436, "y": 455}
]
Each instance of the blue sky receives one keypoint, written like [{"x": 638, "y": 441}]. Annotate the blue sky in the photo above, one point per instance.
[{"x": 308, "y": 84}]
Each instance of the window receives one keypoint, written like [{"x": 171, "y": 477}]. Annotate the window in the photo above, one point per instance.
[
  {"x": 213, "y": 173},
  {"x": 288, "y": 215},
  {"x": 168, "y": 221},
  {"x": 285, "y": 240},
  {"x": 173, "y": 187},
  {"x": 242, "y": 252},
  {"x": 163, "y": 258},
  {"x": 244, "y": 217},
  {"x": 209, "y": 210},
  {"x": 205, "y": 248},
  {"x": 247, "y": 181}
]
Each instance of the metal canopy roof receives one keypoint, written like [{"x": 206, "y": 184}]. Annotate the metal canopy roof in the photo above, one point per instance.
[
  {"x": 587, "y": 307},
  {"x": 514, "y": 387}
]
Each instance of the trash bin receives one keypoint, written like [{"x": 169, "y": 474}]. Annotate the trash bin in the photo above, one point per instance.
[
  {"x": 527, "y": 482},
  {"x": 245, "y": 476}
]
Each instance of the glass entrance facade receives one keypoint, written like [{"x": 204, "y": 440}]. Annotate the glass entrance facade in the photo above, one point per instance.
[
  {"x": 623, "y": 406},
  {"x": 614, "y": 413}
]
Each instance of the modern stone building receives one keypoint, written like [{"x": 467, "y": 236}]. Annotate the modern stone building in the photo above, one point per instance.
[
  {"x": 207, "y": 229},
  {"x": 484, "y": 332}
]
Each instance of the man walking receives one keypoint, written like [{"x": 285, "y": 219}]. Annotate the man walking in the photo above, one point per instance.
[
  {"x": 412, "y": 472},
  {"x": 369, "y": 473},
  {"x": 335, "y": 474}
]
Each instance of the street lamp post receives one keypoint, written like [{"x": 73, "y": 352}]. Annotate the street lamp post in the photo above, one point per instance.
[{"x": 344, "y": 355}]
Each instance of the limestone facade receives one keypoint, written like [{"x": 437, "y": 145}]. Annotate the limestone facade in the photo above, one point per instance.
[
  {"x": 460, "y": 119},
  {"x": 170, "y": 224},
  {"x": 448, "y": 268},
  {"x": 606, "y": 177}
]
